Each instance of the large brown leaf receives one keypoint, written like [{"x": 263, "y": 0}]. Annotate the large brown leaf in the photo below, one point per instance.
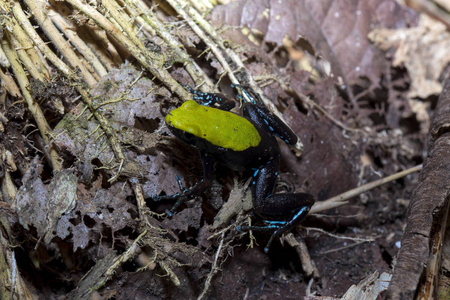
[{"x": 336, "y": 30}]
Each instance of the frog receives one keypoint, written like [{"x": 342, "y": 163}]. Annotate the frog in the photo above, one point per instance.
[{"x": 242, "y": 142}]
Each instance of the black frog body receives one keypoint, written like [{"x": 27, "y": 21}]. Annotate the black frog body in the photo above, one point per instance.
[{"x": 246, "y": 142}]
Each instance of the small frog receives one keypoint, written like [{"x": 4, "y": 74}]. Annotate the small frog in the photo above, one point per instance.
[{"x": 242, "y": 143}]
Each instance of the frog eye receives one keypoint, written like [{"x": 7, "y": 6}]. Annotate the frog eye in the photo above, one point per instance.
[
  {"x": 187, "y": 137},
  {"x": 183, "y": 135}
]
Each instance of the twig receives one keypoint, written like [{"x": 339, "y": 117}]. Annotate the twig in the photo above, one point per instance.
[
  {"x": 8, "y": 188},
  {"x": 307, "y": 263},
  {"x": 341, "y": 248},
  {"x": 63, "y": 45},
  {"x": 28, "y": 46},
  {"x": 154, "y": 62},
  {"x": 197, "y": 74},
  {"x": 432, "y": 9},
  {"x": 122, "y": 19},
  {"x": 341, "y": 199},
  {"x": 26, "y": 60},
  {"x": 323, "y": 111},
  {"x": 10, "y": 84},
  {"x": 69, "y": 31},
  {"x": 116, "y": 263},
  {"x": 25, "y": 24},
  {"x": 35, "y": 110},
  {"x": 340, "y": 237},
  {"x": 191, "y": 16},
  {"x": 214, "y": 268},
  {"x": 202, "y": 5}
]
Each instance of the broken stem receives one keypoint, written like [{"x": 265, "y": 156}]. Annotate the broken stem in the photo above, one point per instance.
[
  {"x": 34, "y": 108},
  {"x": 342, "y": 198},
  {"x": 214, "y": 268},
  {"x": 142, "y": 13},
  {"x": 152, "y": 61},
  {"x": 60, "y": 43},
  {"x": 302, "y": 250}
]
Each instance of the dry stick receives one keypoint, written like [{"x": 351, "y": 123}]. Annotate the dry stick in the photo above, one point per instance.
[
  {"x": 34, "y": 108},
  {"x": 214, "y": 268},
  {"x": 9, "y": 83},
  {"x": 340, "y": 237},
  {"x": 189, "y": 17},
  {"x": 97, "y": 40},
  {"x": 216, "y": 44},
  {"x": 27, "y": 53},
  {"x": 151, "y": 61},
  {"x": 306, "y": 99},
  {"x": 3, "y": 119},
  {"x": 143, "y": 209},
  {"x": 307, "y": 264},
  {"x": 25, "y": 59},
  {"x": 202, "y": 5},
  {"x": 109, "y": 55},
  {"x": 200, "y": 25},
  {"x": 3, "y": 60},
  {"x": 63, "y": 45},
  {"x": 122, "y": 19},
  {"x": 28, "y": 45},
  {"x": 143, "y": 26},
  {"x": 433, "y": 9},
  {"x": 341, "y": 248},
  {"x": 144, "y": 214},
  {"x": 26, "y": 25},
  {"x": 341, "y": 199},
  {"x": 29, "y": 64},
  {"x": 302, "y": 250},
  {"x": 120, "y": 260},
  {"x": 9, "y": 190},
  {"x": 70, "y": 32},
  {"x": 197, "y": 74}
]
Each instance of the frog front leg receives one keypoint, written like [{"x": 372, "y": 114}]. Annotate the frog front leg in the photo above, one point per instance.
[
  {"x": 209, "y": 99},
  {"x": 285, "y": 210},
  {"x": 199, "y": 187}
]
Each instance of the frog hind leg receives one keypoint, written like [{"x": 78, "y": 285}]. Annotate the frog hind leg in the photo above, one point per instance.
[
  {"x": 276, "y": 206},
  {"x": 298, "y": 206}
]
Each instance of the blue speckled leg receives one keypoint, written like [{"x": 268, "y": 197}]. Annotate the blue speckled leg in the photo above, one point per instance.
[
  {"x": 287, "y": 209},
  {"x": 186, "y": 194},
  {"x": 209, "y": 99},
  {"x": 265, "y": 119}
]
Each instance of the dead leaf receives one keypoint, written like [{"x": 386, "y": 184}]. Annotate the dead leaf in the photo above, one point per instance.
[
  {"x": 238, "y": 201},
  {"x": 31, "y": 198},
  {"x": 185, "y": 219},
  {"x": 369, "y": 288},
  {"x": 423, "y": 50},
  {"x": 336, "y": 30},
  {"x": 62, "y": 198},
  {"x": 42, "y": 206},
  {"x": 135, "y": 115},
  {"x": 98, "y": 214}
]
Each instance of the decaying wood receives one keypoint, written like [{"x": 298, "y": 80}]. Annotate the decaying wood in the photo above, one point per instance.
[{"x": 428, "y": 207}]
